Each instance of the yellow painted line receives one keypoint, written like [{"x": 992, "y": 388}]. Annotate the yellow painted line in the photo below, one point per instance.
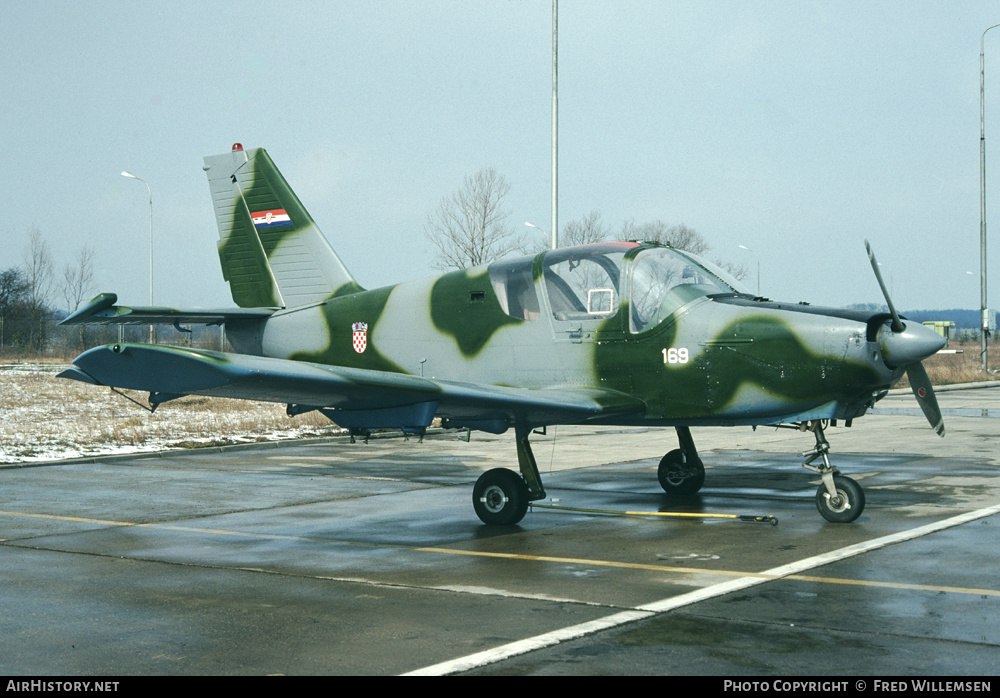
[
  {"x": 525, "y": 558},
  {"x": 896, "y": 585},
  {"x": 167, "y": 527},
  {"x": 75, "y": 519},
  {"x": 761, "y": 518},
  {"x": 585, "y": 561},
  {"x": 721, "y": 573}
]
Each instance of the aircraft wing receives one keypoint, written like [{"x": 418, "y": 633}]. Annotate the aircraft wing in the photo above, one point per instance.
[
  {"x": 351, "y": 397},
  {"x": 103, "y": 311}
]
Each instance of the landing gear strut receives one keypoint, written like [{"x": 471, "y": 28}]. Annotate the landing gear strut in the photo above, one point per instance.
[
  {"x": 839, "y": 499},
  {"x": 501, "y": 496},
  {"x": 681, "y": 471}
]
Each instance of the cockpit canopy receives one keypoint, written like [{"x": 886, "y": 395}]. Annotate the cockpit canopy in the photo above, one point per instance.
[{"x": 588, "y": 283}]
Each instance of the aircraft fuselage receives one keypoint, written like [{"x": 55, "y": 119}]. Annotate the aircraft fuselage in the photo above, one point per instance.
[{"x": 716, "y": 359}]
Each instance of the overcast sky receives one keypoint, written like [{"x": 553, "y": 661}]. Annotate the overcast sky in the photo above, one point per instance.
[{"x": 795, "y": 128}]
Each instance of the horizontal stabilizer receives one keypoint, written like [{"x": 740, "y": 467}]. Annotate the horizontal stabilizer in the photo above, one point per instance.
[
  {"x": 177, "y": 371},
  {"x": 103, "y": 311}
]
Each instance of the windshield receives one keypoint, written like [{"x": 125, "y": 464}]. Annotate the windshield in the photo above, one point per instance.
[{"x": 663, "y": 280}]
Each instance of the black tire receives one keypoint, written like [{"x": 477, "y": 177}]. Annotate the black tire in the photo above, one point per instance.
[
  {"x": 680, "y": 478},
  {"x": 500, "y": 497},
  {"x": 846, "y": 506}
]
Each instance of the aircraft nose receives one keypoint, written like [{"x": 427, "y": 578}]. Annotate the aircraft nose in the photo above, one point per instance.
[{"x": 914, "y": 343}]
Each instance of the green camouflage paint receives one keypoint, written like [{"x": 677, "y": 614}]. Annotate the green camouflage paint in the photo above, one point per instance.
[
  {"x": 347, "y": 289},
  {"x": 776, "y": 361},
  {"x": 465, "y": 307},
  {"x": 340, "y": 314}
]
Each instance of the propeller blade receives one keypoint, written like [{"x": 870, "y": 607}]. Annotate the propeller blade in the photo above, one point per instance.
[
  {"x": 897, "y": 324},
  {"x": 924, "y": 392},
  {"x": 907, "y": 349}
]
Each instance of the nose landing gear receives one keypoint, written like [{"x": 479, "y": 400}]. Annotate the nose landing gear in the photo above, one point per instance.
[{"x": 839, "y": 499}]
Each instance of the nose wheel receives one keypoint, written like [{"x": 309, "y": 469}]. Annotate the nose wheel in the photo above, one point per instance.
[
  {"x": 845, "y": 505},
  {"x": 839, "y": 499}
]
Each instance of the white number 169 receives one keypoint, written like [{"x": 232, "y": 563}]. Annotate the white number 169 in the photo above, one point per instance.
[{"x": 675, "y": 355}]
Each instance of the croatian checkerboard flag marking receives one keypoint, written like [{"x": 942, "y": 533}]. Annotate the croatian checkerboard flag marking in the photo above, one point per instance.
[
  {"x": 360, "y": 336},
  {"x": 275, "y": 218}
]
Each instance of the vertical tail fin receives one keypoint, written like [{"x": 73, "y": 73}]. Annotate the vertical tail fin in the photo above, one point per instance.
[{"x": 272, "y": 253}]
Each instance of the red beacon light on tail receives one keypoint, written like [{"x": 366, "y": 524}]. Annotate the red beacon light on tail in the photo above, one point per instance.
[{"x": 237, "y": 146}]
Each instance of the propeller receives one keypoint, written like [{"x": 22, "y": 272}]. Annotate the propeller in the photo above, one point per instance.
[{"x": 906, "y": 345}]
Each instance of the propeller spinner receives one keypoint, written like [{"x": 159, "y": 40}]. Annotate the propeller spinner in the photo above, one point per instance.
[{"x": 905, "y": 345}]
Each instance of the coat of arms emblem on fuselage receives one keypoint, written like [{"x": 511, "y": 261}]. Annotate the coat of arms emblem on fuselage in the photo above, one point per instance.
[{"x": 360, "y": 330}]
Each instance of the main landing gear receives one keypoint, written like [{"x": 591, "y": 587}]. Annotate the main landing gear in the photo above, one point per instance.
[
  {"x": 681, "y": 471},
  {"x": 501, "y": 496},
  {"x": 839, "y": 499}
]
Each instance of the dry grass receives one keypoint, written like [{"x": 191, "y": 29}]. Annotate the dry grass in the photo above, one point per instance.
[
  {"x": 962, "y": 367},
  {"x": 44, "y": 417}
]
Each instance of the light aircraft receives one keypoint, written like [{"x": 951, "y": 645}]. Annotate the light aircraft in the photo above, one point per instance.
[{"x": 621, "y": 333}]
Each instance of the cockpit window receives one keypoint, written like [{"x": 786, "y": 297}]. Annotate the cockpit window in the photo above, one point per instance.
[
  {"x": 663, "y": 280},
  {"x": 583, "y": 282},
  {"x": 514, "y": 287}
]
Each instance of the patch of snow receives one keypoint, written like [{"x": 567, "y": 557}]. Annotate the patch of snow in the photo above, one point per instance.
[{"x": 44, "y": 418}]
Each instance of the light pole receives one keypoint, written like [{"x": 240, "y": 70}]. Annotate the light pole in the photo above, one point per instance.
[
  {"x": 555, "y": 124},
  {"x": 984, "y": 321},
  {"x": 532, "y": 225},
  {"x": 132, "y": 176},
  {"x": 744, "y": 247}
]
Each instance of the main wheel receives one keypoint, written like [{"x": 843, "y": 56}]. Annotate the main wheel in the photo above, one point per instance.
[
  {"x": 680, "y": 478},
  {"x": 500, "y": 497},
  {"x": 846, "y": 506}
]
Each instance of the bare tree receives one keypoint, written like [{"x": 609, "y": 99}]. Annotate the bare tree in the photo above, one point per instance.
[
  {"x": 37, "y": 267},
  {"x": 583, "y": 231},
  {"x": 680, "y": 236},
  {"x": 470, "y": 226},
  {"x": 38, "y": 276},
  {"x": 78, "y": 278},
  {"x": 78, "y": 284},
  {"x": 737, "y": 271},
  {"x": 12, "y": 290}
]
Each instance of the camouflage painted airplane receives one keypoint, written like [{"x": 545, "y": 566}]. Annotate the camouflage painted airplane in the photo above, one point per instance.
[{"x": 621, "y": 333}]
